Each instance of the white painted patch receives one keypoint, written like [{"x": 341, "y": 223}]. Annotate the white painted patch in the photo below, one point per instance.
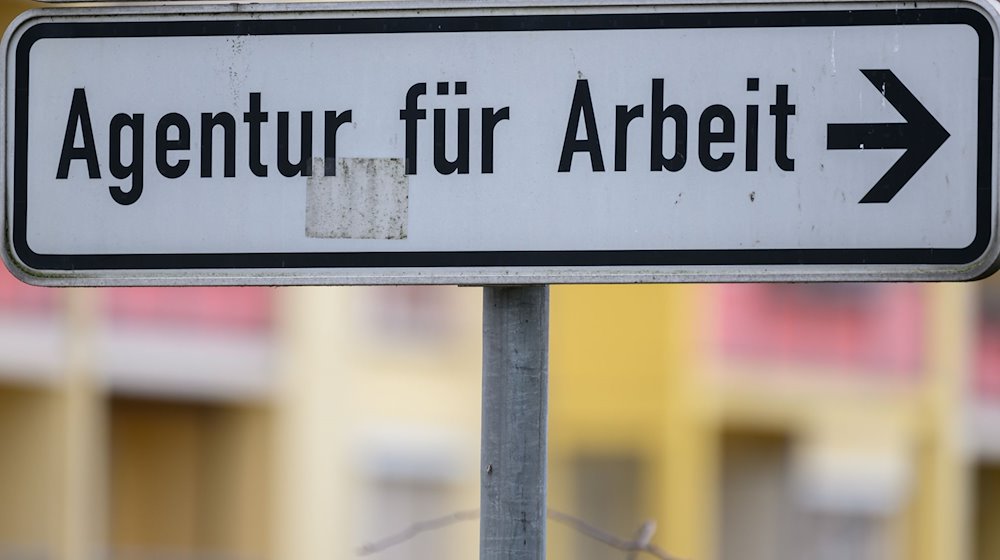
[{"x": 368, "y": 198}]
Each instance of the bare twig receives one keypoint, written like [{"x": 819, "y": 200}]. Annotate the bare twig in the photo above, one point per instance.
[
  {"x": 589, "y": 530},
  {"x": 641, "y": 543},
  {"x": 416, "y": 529},
  {"x": 642, "y": 538}
]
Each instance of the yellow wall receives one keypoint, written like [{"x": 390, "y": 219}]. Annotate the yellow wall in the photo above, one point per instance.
[
  {"x": 28, "y": 472},
  {"x": 620, "y": 361}
]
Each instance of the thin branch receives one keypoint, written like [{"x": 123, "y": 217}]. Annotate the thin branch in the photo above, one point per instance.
[
  {"x": 641, "y": 543},
  {"x": 416, "y": 529},
  {"x": 642, "y": 538}
]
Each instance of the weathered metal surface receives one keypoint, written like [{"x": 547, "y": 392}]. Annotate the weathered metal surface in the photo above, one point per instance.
[{"x": 515, "y": 423}]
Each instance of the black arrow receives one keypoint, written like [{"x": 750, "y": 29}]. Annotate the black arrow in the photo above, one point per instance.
[{"x": 921, "y": 135}]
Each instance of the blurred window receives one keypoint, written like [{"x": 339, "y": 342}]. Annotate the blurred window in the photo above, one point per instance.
[
  {"x": 848, "y": 494},
  {"x": 840, "y": 535},
  {"x": 186, "y": 480},
  {"x": 868, "y": 326},
  {"x": 608, "y": 490},
  {"x": 986, "y": 538},
  {"x": 756, "y": 507}
]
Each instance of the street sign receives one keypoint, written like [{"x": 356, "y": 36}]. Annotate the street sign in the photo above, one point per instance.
[{"x": 385, "y": 143}]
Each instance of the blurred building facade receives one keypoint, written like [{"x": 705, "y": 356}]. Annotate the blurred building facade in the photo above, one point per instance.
[
  {"x": 235, "y": 423},
  {"x": 780, "y": 421},
  {"x": 747, "y": 421},
  {"x": 750, "y": 422}
]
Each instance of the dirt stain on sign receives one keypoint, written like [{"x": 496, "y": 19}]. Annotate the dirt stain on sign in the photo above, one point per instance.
[{"x": 367, "y": 198}]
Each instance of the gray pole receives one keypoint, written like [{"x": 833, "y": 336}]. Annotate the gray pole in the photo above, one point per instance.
[{"x": 515, "y": 423}]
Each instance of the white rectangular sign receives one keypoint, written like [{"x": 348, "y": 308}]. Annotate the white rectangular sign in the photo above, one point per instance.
[{"x": 289, "y": 144}]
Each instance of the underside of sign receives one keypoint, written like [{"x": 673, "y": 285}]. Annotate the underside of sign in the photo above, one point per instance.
[{"x": 382, "y": 143}]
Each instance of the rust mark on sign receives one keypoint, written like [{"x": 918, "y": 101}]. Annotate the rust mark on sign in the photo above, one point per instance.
[{"x": 368, "y": 198}]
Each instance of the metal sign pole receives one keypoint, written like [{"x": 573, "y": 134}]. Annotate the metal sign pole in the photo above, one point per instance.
[{"x": 515, "y": 423}]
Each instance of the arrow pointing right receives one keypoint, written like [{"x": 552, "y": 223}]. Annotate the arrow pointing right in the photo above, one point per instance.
[{"x": 921, "y": 135}]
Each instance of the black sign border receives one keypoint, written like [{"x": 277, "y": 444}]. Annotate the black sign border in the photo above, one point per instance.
[{"x": 59, "y": 263}]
